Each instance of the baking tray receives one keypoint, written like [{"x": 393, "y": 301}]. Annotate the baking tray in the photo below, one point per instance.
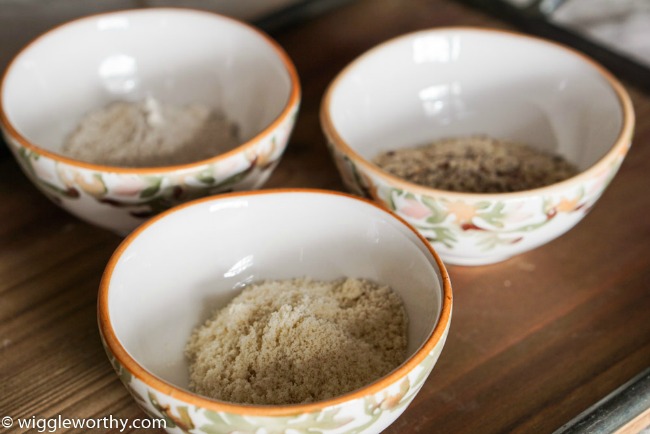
[{"x": 548, "y": 19}]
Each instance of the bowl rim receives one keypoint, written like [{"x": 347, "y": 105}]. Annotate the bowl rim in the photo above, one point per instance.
[
  {"x": 290, "y": 105},
  {"x": 620, "y": 146},
  {"x": 118, "y": 351}
]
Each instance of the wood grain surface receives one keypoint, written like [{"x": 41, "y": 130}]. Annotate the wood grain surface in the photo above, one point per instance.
[{"x": 534, "y": 340}]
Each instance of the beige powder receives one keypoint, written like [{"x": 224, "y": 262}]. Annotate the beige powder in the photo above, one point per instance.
[
  {"x": 298, "y": 341},
  {"x": 150, "y": 133},
  {"x": 476, "y": 164}
]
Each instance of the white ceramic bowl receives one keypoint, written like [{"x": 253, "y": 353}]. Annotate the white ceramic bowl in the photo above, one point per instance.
[
  {"x": 451, "y": 82},
  {"x": 178, "y": 56},
  {"x": 173, "y": 271}
]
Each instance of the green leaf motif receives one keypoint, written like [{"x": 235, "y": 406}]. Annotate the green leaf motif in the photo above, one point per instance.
[
  {"x": 206, "y": 177},
  {"x": 440, "y": 235},
  {"x": 438, "y": 213},
  {"x": 28, "y": 155},
  {"x": 495, "y": 216},
  {"x": 488, "y": 242},
  {"x": 390, "y": 200},
  {"x": 153, "y": 188},
  {"x": 530, "y": 227},
  {"x": 27, "y": 159},
  {"x": 124, "y": 375},
  {"x": 237, "y": 177},
  {"x": 491, "y": 239},
  {"x": 372, "y": 409}
]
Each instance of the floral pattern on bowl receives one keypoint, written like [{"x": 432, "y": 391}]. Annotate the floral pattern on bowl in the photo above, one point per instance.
[
  {"x": 369, "y": 414},
  {"x": 121, "y": 200},
  {"x": 174, "y": 269},
  {"x": 574, "y": 109},
  {"x": 494, "y": 228},
  {"x": 251, "y": 79}
]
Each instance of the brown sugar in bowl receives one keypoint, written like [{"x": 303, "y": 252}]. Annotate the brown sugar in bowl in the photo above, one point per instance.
[{"x": 174, "y": 270}]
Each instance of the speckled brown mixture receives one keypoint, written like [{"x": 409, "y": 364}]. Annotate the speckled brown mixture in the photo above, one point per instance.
[
  {"x": 297, "y": 341},
  {"x": 476, "y": 164}
]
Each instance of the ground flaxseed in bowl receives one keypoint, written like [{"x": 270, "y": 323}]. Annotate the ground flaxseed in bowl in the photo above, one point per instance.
[
  {"x": 420, "y": 87},
  {"x": 476, "y": 164},
  {"x": 298, "y": 341}
]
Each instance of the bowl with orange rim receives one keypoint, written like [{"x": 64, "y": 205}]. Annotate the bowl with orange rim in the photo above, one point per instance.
[
  {"x": 456, "y": 82},
  {"x": 170, "y": 272},
  {"x": 176, "y": 56}
]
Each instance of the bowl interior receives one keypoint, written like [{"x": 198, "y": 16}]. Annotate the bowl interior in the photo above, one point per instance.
[
  {"x": 171, "y": 276},
  {"x": 177, "y": 56},
  {"x": 458, "y": 82}
]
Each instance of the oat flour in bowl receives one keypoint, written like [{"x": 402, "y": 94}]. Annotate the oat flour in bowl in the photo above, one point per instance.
[{"x": 151, "y": 133}]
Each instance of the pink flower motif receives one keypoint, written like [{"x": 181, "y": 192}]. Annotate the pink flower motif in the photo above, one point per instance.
[
  {"x": 518, "y": 217},
  {"x": 414, "y": 209},
  {"x": 230, "y": 166},
  {"x": 129, "y": 186},
  {"x": 43, "y": 171},
  {"x": 517, "y": 214}
]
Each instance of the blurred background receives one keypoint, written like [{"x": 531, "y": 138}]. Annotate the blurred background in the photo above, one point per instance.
[
  {"x": 614, "y": 32},
  {"x": 22, "y": 20}
]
